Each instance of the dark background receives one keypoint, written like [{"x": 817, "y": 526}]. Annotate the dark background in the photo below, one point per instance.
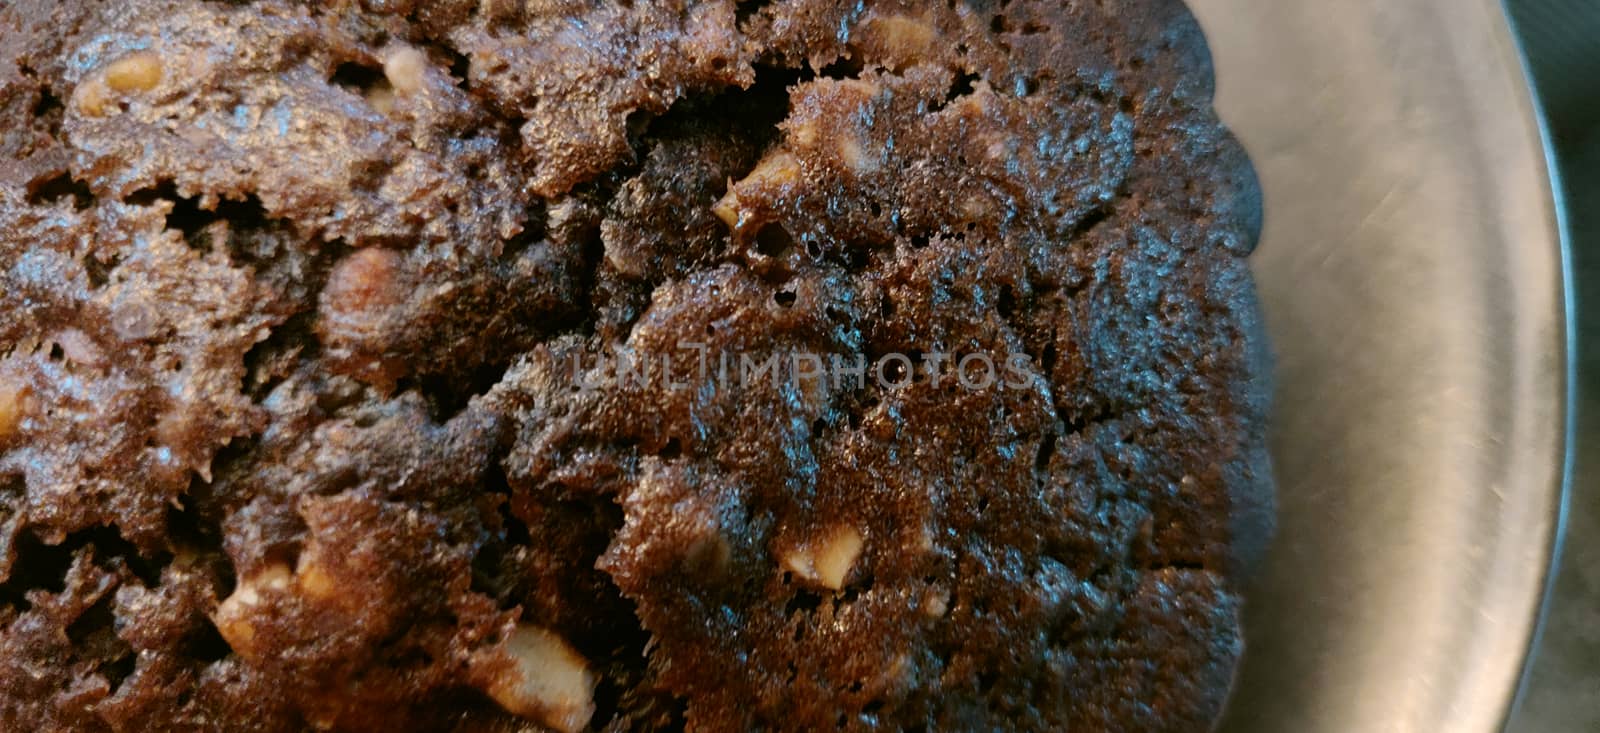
[{"x": 1561, "y": 39}]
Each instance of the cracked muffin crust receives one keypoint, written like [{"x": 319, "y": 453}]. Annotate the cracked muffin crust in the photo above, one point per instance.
[{"x": 293, "y": 297}]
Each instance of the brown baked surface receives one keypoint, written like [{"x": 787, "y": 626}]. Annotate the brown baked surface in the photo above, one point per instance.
[{"x": 290, "y": 294}]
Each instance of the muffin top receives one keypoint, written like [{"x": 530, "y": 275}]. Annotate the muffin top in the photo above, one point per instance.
[{"x": 479, "y": 364}]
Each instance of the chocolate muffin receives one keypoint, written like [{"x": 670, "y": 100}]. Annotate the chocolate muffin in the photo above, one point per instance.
[{"x": 484, "y": 365}]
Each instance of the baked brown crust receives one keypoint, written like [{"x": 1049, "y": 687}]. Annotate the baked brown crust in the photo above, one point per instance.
[{"x": 291, "y": 295}]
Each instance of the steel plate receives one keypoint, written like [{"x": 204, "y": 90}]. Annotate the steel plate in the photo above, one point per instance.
[{"x": 1411, "y": 274}]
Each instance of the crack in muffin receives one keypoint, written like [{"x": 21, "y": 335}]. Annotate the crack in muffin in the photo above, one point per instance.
[{"x": 294, "y": 298}]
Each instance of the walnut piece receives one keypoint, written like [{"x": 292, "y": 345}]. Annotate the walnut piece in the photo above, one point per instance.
[
  {"x": 908, "y": 40},
  {"x": 827, "y": 561},
  {"x": 137, "y": 72},
  {"x": 91, "y": 98},
  {"x": 406, "y": 70},
  {"x": 778, "y": 170},
  {"x": 13, "y": 407},
  {"x": 537, "y": 675},
  {"x": 233, "y": 616}
]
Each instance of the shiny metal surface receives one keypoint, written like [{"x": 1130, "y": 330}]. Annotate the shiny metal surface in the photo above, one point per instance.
[
  {"x": 1411, "y": 277},
  {"x": 1561, "y": 41}
]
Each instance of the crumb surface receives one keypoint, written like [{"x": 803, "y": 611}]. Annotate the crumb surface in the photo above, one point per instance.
[{"x": 291, "y": 295}]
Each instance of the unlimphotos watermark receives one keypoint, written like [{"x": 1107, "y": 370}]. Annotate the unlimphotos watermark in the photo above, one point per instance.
[{"x": 695, "y": 365}]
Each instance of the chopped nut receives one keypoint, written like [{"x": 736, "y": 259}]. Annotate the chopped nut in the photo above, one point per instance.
[
  {"x": 406, "y": 70},
  {"x": 137, "y": 72},
  {"x": 850, "y": 142},
  {"x": 91, "y": 97},
  {"x": 827, "y": 561},
  {"x": 727, "y": 209},
  {"x": 777, "y": 170},
  {"x": 568, "y": 212},
  {"x": 233, "y": 614},
  {"x": 13, "y": 406},
  {"x": 837, "y": 556},
  {"x": 381, "y": 97},
  {"x": 536, "y": 674},
  {"x": 854, "y": 153},
  {"x": 314, "y": 581},
  {"x": 907, "y": 39},
  {"x": 322, "y": 578}
]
